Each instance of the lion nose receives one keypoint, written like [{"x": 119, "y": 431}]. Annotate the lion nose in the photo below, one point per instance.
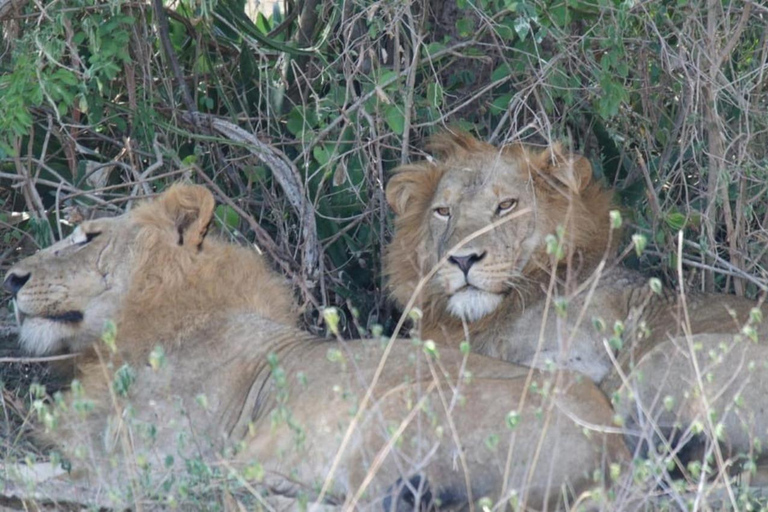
[
  {"x": 466, "y": 262},
  {"x": 14, "y": 282}
]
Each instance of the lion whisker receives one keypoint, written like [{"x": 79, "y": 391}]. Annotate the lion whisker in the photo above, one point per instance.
[{"x": 16, "y": 312}]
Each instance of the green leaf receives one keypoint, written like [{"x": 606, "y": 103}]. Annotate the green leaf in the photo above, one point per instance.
[
  {"x": 65, "y": 76},
  {"x": 387, "y": 78},
  {"x": 640, "y": 242},
  {"x": 615, "y": 217},
  {"x": 257, "y": 173},
  {"x": 331, "y": 317},
  {"x": 125, "y": 376},
  {"x": 301, "y": 119},
  {"x": 676, "y": 220},
  {"x": 243, "y": 24},
  {"x": 560, "y": 14},
  {"x": 465, "y": 27},
  {"x": 522, "y": 27},
  {"x": 295, "y": 125},
  {"x": 433, "y": 48},
  {"x": 430, "y": 348},
  {"x": 228, "y": 217},
  {"x": 157, "y": 358},
  {"x": 262, "y": 23},
  {"x": 613, "y": 95},
  {"x": 322, "y": 155},
  {"x": 500, "y": 72},
  {"x": 506, "y": 30},
  {"x": 500, "y": 104},
  {"x": 109, "y": 336},
  {"x": 395, "y": 119},
  {"x": 435, "y": 94},
  {"x": 513, "y": 419}
]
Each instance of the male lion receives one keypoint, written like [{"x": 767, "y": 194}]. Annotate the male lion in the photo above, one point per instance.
[
  {"x": 202, "y": 363},
  {"x": 496, "y": 233}
]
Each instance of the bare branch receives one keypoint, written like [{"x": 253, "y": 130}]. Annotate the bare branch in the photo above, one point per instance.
[{"x": 286, "y": 174}]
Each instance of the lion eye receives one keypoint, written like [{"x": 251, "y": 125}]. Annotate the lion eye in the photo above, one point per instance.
[
  {"x": 506, "y": 206},
  {"x": 442, "y": 212}
]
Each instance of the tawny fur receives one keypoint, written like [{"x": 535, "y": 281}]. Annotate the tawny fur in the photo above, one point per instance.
[
  {"x": 224, "y": 278},
  {"x": 241, "y": 384},
  {"x": 525, "y": 329},
  {"x": 577, "y": 203}
]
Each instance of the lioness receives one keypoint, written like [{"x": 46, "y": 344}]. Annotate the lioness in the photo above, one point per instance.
[
  {"x": 517, "y": 225},
  {"x": 201, "y": 361}
]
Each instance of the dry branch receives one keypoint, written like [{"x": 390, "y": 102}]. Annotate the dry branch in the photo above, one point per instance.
[
  {"x": 286, "y": 174},
  {"x": 8, "y": 6}
]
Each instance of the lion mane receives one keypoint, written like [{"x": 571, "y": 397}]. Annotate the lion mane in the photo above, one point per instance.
[{"x": 565, "y": 193}]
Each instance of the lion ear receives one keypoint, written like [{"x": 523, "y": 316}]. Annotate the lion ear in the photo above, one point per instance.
[
  {"x": 455, "y": 142},
  {"x": 190, "y": 209},
  {"x": 412, "y": 185},
  {"x": 571, "y": 169}
]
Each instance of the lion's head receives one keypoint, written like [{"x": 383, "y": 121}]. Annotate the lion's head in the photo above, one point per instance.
[
  {"x": 510, "y": 198},
  {"x": 152, "y": 271}
]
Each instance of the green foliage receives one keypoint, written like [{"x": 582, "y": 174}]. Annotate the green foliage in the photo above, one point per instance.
[
  {"x": 78, "y": 56},
  {"x": 357, "y": 90},
  {"x": 125, "y": 376}
]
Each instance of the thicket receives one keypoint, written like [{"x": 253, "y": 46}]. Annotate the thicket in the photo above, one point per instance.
[{"x": 295, "y": 117}]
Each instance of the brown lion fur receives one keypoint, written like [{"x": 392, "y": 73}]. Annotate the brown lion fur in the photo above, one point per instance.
[
  {"x": 644, "y": 357},
  {"x": 180, "y": 285},
  {"x": 567, "y": 195},
  {"x": 237, "y": 383},
  {"x": 165, "y": 275}
]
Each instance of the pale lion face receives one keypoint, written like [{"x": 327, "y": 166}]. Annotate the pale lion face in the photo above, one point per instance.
[
  {"x": 65, "y": 294},
  {"x": 481, "y": 271},
  {"x": 486, "y": 211}
]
